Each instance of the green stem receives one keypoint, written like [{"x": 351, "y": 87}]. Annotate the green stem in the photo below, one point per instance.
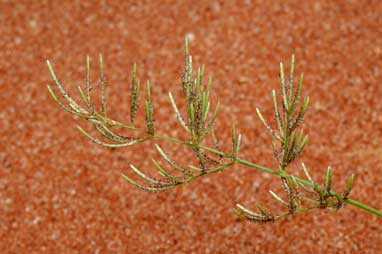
[
  {"x": 249, "y": 164},
  {"x": 363, "y": 206},
  {"x": 307, "y": 183},
  {"x": 269, "y": 170}
]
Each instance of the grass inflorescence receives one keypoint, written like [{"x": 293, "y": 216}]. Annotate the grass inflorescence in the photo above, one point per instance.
[{"x": 288, "y": 139}]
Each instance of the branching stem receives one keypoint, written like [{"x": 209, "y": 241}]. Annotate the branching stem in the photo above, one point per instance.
[
  {"x": 287, "y": 142},
  {"x": 271, "y": 171}
]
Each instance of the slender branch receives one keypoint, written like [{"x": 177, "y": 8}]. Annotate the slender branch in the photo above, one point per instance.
[{"x": 271, "y": 171}]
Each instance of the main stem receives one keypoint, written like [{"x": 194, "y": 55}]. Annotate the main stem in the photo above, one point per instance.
[
  {"x": 307, "y": 183},
  {"x": 269, "y": 170},
  {"x": 253, "y": 165}
]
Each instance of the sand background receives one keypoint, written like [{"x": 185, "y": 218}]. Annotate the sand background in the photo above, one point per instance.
[{"x": 60, "y": 193}]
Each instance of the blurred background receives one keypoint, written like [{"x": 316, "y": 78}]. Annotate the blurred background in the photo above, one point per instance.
[{"x": 60, "y": 193}]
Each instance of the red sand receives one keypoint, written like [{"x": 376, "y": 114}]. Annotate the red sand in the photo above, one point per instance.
[{"x": 59, "y": 193}]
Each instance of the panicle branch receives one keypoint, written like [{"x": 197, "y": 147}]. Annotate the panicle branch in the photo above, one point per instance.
[
  {"x": 291, "y": 144},
  {"x": 198, "y": 122}
]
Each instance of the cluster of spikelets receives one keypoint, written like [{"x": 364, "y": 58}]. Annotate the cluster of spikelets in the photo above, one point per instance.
[
  {"x": 288, "y": 144},
  {"x": 288, "y": 141}
]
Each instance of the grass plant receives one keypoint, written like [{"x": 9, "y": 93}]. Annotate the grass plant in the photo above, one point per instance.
[{"x": 288, "y": 139}]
